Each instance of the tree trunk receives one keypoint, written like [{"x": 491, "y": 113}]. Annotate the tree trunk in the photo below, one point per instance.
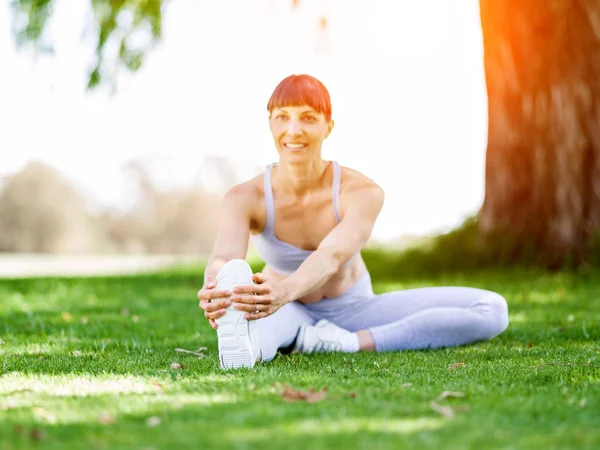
[{"x": 542, "y": 67}]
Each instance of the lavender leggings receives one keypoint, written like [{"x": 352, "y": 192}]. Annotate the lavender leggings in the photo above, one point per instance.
[{"x": 412, "y": 319}]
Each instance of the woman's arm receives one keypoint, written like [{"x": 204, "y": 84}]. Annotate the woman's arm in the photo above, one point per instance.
[
  {"x": 233, "y": 231},
  {"x": 362, "y": 208}
]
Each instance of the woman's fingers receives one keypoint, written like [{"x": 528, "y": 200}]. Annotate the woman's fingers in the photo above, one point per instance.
[
  {"x": 214, "y": 315},
  {"x": 252, "y": 289},
  {"x": 212, "y": 306},
  {"x": 252, "y": 299},
  {"x": 251, "y": 308},
  {"x": 256, "y": 316},
  {"x": 259, "y": 278},
  {"x": 209, "y": 294}
]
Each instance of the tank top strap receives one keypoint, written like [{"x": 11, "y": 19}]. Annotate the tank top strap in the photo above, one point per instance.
[
  {"x": 269, "y": 202},
  {"x": 337, "y": 179}
]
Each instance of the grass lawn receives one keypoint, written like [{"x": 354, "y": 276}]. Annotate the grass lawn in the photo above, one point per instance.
[{"x": 87, "y": 363}]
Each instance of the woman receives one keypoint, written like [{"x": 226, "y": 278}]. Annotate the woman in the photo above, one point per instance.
[{"x": 309, "y": 218}]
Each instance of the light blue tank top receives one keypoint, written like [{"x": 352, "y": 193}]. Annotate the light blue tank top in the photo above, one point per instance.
[{"x": 282, "y": 257}]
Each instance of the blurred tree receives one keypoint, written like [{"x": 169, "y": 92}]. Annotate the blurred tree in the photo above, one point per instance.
[
  {"x": 542, "y": 69},
  {"x": 180, "y": 221},
  {"x": 125, "y": 30},
  {"x": 543, "y": 79},
  {"x": 41, "y": 212}
]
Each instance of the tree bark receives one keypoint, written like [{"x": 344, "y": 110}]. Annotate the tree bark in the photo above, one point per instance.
[{"x": 542, "y": 68}]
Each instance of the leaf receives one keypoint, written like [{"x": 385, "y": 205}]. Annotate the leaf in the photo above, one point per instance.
[
  {"x": 446, "y": 394},
  {"x": 43, "y": 414},
  {"x": 405, "y": 385},
  {"x": 176, "y": 366},
  {"x": 18, "y": 429},
  {"x": 311, "y": 396},
  {"x": 153, "y": 421},
  {"x": 66, "y": 316},
  {"x": 106, "y": 419},
  {"x": 323, "y": 23},
  {"x": 445, "y": 411},
  {"x": 456, "y": 365},
  {"x": 583, "y": 329},
  {"x": 37, "y": 434},
  {"x": 197, "y": 353}
]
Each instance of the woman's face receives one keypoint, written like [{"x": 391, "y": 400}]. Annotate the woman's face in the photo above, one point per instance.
[{"x": 299, "y": 131}]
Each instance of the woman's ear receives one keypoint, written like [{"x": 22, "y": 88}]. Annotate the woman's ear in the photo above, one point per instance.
[{"x": 330, "y": 126}]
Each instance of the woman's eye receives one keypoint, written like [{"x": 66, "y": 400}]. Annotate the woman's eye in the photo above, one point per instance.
[
  {"x": 309, "y": 118},
  {"x": 281, "y": 117}
]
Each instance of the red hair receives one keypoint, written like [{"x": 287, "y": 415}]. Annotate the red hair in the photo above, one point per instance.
[{"x": 298, "y": 90}]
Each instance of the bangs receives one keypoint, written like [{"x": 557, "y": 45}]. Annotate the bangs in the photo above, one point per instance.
[{"x": 298, "y": 90}]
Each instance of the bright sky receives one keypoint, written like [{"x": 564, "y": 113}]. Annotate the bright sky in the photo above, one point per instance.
[{"x": 406, "y": 80}]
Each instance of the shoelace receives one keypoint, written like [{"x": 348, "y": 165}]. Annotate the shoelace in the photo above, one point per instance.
[{"x": 327, "y": 346}]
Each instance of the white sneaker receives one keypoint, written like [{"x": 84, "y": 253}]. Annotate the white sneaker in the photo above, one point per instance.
[
  {"x": 325, "y": 336},
  {"x": 238, "y": 337}
]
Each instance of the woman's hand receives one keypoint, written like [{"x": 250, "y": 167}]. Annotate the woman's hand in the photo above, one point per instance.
[
  {"x": 213, "y": 301},
  {"x": 261, "y": 299}
]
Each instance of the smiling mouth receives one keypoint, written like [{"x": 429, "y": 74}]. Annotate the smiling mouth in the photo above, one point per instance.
[{"x": 294, "y": 146}]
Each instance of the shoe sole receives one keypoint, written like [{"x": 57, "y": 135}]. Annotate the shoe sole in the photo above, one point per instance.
[{"x": 233, "y": 330}]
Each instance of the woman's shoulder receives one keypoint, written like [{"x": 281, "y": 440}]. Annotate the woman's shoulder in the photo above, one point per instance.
[
  {"x": 246, "y": 191},
  {"x": 353, "y": 179}
]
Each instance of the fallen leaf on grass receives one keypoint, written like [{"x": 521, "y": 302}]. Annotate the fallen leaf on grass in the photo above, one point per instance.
[
  {"x": 66, "y": 316},
  {"x": 135, "y": 319},
  {"x": 37, "y": 434},
  {"x": 106, "y": 419},
  {"x": 176, "y": 366},
  {"x": 446, "y": 394},
  {"x": 43, "y": 414},
  {"x": 18, "y": 429},
  {"x": 84, "y": 320},
  {"x": 445, "y": 411},
  {"x": 353, "y": 395},
  {"x": 311, "y": 396},
  {"x": 197, "y": 353},
  {"x": 456, "y": 365},
  {"x": 405, "y": 385},
  {"x": 125, "y": 312},
  {"x": 153, "y": 421}
]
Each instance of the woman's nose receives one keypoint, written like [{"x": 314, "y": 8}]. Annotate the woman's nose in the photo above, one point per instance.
[{"x": 294, "y": 127}]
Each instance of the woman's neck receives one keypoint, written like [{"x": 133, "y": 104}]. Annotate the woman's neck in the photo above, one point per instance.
[{"x": 301, "y": 178}]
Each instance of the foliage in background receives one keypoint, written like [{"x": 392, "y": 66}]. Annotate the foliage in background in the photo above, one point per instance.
[
  {"x": 463, "y": 249},
  {"x": 42, "y": 212},
  {"x": 124, "y": 31}
]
